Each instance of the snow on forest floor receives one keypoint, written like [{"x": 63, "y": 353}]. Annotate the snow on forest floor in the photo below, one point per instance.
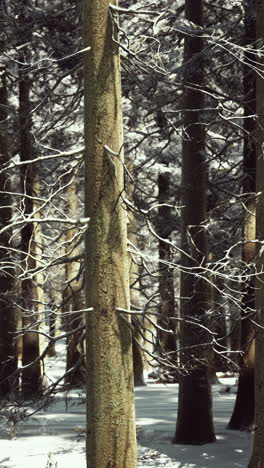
[{"x": 54, "y": 437}]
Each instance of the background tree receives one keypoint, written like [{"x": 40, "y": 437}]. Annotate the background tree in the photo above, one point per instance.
[
  {"x": 137, "y": 343},
  {"x": 31, "y": 373},
  {"x": 8, "y": 352},
  {"x": 195, "y": 401},
  {"x": 167, "y": 341},
  {"x": 74, "y": 298}
]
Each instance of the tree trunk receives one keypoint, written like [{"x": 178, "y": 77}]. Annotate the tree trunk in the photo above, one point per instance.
[
  {"x": 166, "y": 341},
  {"x": 111, "y": 440},
  {"x": 8, "y": 353},
  {"x": 52, "y": 332},
  {"x": 257, "y": 459},
  {"x": 138, "y": 362},
  {"x": 216, "y": 323},
  {"x": 31, "y": 374},
  {"x": 75, "y": 362},
  {"x": 37, "y": 248},
  {"x": 243, "y": 415},
  {"x": 194, "y": 422},
  {"x": 74, "y": 300}
]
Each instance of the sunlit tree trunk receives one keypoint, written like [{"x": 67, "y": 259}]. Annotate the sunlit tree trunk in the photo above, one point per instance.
[
  {"x": 8, "y": 353},
  {"x": 111, "y": 438},
  {"x": 194, "y": 421},
  {"x": 257, "y": 459},
  {"x": 243, "y": 414},
  {"x": 37, "y": 248}
]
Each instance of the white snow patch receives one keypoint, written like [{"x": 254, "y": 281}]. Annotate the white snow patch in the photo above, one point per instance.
[{"x": 55, "y": 437}]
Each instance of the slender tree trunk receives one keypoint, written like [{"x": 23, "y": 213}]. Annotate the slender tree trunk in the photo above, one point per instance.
[
  {"x": 234, "y": 322},
  {"x": 257, "y": 459},
  {"x": 194, "y": 422},
  {"x": 243, "y": 414},
  {"x": 75, "y": 361},
  {"x": 74, "y": 300},
  {"x": 138, "y": 362},
  {"x": 37, "y": 248},
  {"x": 8, "y": 354},
  {"x": 111, "y": 438},
  {"x": 216, "y": 323},
  {"x": 52, "y": 332},
  {"x": 167, "y": 341},
  {"x": 31, "y": 375}
]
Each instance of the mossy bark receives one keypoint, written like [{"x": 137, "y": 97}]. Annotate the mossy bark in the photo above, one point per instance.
[{"x": 111, "y": 438}]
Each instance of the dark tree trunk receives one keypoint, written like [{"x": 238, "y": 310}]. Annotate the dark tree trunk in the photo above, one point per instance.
[
  {"x": 8, "y": 353},
  {"x": 75, "y": 361},
  {"x": 243, "y": 414},
  {"x": 52, "y": 332},
  {"x": 166, "y": 341},
  {"x": 194, "y": 422},
  {"x": 138, "y": 361},
  {"x": 218, "y": 325},
  {"x": 31, "y": 375},
  {"x": 74, "y": 299},
  {"x": 138, "y": 364}
]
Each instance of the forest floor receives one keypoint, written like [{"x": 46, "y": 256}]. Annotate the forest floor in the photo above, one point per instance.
[{"x": 54, "y": 437}]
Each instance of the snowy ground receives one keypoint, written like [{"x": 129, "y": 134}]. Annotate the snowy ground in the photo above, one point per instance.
[{"x": 54, "y": 437}]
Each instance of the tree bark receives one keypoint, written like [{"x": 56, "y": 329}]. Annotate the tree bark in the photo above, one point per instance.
[
  {"x": 243, "y": 414},
  {"x": 8, "y": 353},
  {"x": 138, "y": 362},
  {"x": 257, "y": 458},
  {"x": 111, "y": 438},
  {"x": 74, "y": 300},
  {"x": 166, "y": 341},
  {"x": 194, "y": 421},
  {"x": 31, "y": 374}
]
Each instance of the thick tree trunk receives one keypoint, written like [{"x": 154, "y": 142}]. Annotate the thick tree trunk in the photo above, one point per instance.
[
  {"x": 257, "y": 459},
  {"x": 194, "y": 422},
  {"x": 111, "y": 440},
  {"x": 8, "y": 353},
  {"x": 243, "y": 415}
]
